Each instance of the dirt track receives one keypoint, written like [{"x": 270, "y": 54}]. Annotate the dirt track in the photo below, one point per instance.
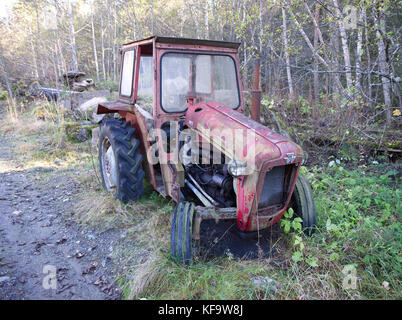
[{"x": 35, "y": 232}]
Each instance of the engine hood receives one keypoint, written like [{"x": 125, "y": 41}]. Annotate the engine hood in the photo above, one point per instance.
[{"x": 240, "y": 137}]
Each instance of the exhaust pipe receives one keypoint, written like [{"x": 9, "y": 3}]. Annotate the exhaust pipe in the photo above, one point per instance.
[{"x": 256, "y": 94}]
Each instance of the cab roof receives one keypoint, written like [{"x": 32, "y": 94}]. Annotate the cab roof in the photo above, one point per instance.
[{"x": 188, "y": 41}]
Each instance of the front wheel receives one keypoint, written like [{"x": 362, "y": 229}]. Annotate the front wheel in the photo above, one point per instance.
[
  {"x": 182, "y": 232},
  {"x": 302, "y": 203}
]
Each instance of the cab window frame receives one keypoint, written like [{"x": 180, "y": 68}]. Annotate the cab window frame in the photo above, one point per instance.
[
  {"x": 225, "y": 54},
  {"x": 123, "y": 55}
]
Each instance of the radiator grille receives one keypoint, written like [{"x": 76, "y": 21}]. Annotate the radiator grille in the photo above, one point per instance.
[{"x": 273, "y": 189}]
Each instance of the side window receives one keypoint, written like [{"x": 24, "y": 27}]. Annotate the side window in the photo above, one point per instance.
[
  {"x": 126, "y": 84},
  {"x": 145, "y": 79}
]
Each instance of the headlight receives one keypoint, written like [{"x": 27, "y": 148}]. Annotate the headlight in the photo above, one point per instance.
[{"x": 237, "y": 168}]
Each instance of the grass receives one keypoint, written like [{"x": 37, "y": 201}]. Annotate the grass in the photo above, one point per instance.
[
  {"x": 358, "y": 224},
  {"x": 358, "y": 227}
]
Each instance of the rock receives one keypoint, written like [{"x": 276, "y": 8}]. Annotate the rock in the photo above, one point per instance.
[
  {"x": 71, "y": 100},
  {"x": 265, "y": 283},
  {"x": 88, "y": 109},
  {"x": 79, "y": 255},
  {"x": 72, "y": 76},
  {"x": 82, "y": 135},
  {"x": 90, "y": 270},
  {"x": 90, "y": 236},
  {"x": 85, "y": 123},
  {"x": 78, "y": 131},
  {"x": 61, "y": 241},
  {"x": 83, "y": 85},
  {"x": 89, "y": 105}
]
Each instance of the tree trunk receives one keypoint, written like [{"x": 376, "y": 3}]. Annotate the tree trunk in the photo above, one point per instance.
[
  {"x": 316, "y": 77},
  {"x": 108, "y": 44},
  {"x": 35, "y": 63},
  {"x": 136, "y": 25},
  {"x": 367, "y": 44},
  {"x": 63, "y": 67},
  {"x": 244, "y": 44},
  {"x": 306, "y": 38},
  {"x": 345, "y": 47},
  {"x": 94, "y": 46},
  {"x": 336, "y": 83},
  {"x": 183, "y": 18},
  {"x": 39, "y": 42},
  {"x": 72, "y": 37},
  {"x": 56, "y": 59},
  {"x": 206, "y": 17},
  {"x": 152, "y": 18},
  {"x": 359, "y": 50},
  {"x": 286, "y": 49},
  {"x": 103, "y": 49},
  {"x": 383, "y": 64},
  {"x": 5, "y": 76},
  {"x": 114, "y": 44}
]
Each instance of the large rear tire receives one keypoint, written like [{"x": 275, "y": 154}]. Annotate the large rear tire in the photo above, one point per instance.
[
  {"x": 302, "y": 203},
  {"x": 120, "y": 160},
  {"x": 182, "y": 232}
]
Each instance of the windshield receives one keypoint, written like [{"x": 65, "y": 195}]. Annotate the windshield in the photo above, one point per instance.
[{"x": 203, "y": 77}]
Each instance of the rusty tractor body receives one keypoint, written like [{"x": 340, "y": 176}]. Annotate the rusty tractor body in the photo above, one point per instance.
[{"x": 182, "y": 126}]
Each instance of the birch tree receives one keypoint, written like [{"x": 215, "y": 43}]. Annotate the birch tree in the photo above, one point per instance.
[
  {"x": 94, "y": 43},
  {"x": 72, "y": 36},
  {"x": 359, "y": 48},
  {"x": 345, "y": 47},
  {"x": 383, "y": 61},
  {"x": 286, "y": 53},
  {"x": 316, "y": 31}
]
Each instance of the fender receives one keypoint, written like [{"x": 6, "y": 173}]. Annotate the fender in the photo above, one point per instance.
[
  {"x": 113, "y": 107},
  {"x": 130, "y": 113}
]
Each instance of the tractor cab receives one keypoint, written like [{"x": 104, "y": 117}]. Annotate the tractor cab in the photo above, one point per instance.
[
  {"x": 164, "y": 75},
  {"x": 160, "y": 78}
]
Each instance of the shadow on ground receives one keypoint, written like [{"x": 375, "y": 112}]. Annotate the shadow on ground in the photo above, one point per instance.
[{"x": 223, "y": 238}]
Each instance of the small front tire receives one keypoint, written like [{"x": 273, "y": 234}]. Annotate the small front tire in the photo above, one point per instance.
[
  {"x": 182, "y": 232},
  {"x": 302, "y": 203}
]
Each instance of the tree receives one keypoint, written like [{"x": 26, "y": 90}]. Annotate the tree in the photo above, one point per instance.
[
  {"x": 286, "y": 49},
  {"x": 383, "y": 59},
  {"x": 72, "y": 36},
  {"x": 345, "y": 47}
]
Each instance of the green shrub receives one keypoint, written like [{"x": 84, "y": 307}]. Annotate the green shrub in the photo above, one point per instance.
[
  {"x": 110, "y": 85},
  {"x": 3, "y": 95}
]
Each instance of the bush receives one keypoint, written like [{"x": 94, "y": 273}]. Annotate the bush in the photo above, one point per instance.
[
  {"x": 3, "y": 95},
  {"x": 108, "y": 85}
]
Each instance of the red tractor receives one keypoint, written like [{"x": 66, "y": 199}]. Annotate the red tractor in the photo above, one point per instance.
[{"x": 182, "y": 126}]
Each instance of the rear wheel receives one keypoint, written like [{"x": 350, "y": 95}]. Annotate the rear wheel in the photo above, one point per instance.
[
  {"x": 182, "y": 232},
  {"x": 302, "y": 203},
  {"x": 120, "y": 160}
]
